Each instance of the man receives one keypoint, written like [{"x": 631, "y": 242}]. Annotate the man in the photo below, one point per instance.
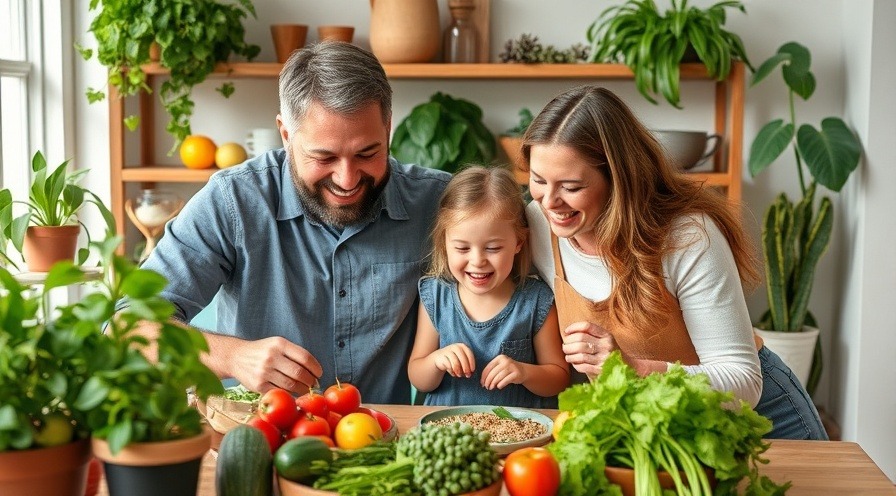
[{"x": 316, "y": 248}]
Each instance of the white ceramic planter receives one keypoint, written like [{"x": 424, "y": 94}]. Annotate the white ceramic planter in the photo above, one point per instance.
[{"x": 794, "y": 348}]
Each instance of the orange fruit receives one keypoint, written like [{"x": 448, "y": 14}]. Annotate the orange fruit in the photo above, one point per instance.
[
  {"x": 357, "y": 430},
  {"x": 198, "y": 152},
  {"x": 230, "y": 154}
]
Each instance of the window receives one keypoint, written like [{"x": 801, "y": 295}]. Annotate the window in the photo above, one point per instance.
[{"x": 14, "y": 73}]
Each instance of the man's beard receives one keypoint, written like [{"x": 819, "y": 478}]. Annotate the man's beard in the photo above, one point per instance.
[{"x": 340, "y": 216}]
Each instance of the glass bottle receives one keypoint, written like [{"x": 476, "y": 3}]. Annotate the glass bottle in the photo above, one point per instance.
[{"x": 461, "y": 43}]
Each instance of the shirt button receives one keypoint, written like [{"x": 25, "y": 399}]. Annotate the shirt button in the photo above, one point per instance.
[
  {"x": 341, "y": 343},
  {"x": 342, "y": 293}
]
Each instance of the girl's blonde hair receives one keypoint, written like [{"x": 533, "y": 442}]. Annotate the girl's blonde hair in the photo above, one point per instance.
[
  {"x": 473, "y": 191},
  {"x": 647, "y": 195}
]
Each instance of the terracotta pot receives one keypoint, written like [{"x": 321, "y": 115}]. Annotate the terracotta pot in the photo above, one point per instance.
[
  {"x": 147, "y": 469},
  {"x": 336, "y": 33},
  {"x": 290, "y": 488},
  {"x": 511, "y": 146},
  {"x": 625, "y": 479},
  {"x": 56, "y": 471},
  {"x": 46, "y": 245},
  {"x": 404, "y": 30},
  {"x": 287, "y": 39},
  {"x": 155, "y": 52}
]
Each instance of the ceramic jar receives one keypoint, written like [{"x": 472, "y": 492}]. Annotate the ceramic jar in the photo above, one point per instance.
[{"x": 403, "y": 31}]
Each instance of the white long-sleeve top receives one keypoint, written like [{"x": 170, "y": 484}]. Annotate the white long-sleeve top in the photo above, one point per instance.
[{"x": 701, "y": 275}]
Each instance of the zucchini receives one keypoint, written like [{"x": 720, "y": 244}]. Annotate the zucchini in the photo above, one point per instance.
[
  {"x": 244, "y": 466},
  {"x": 293, "y": 460}
]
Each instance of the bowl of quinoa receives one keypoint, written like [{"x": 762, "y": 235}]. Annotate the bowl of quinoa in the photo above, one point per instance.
[{"x": 526, "y": 428}]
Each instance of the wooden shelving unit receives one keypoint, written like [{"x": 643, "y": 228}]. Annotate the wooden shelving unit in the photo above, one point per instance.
[{"x": 728, "y": 116}]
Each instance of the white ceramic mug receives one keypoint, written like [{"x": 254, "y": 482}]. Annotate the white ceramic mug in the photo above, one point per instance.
[{"x": 261, "y": 140}]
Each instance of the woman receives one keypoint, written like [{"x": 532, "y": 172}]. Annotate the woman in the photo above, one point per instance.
[{"x": 647, "y": 261}]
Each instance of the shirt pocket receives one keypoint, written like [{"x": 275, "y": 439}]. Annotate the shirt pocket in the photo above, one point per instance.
[
  {"x": 394, "y": 293},
  {"x": 519, "y": 349}
]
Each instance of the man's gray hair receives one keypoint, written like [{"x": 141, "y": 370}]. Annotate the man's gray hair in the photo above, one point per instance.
[{"x": 340, "y": 76}]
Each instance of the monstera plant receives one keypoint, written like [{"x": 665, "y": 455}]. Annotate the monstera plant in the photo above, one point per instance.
[{"x": 796, "y": 234}]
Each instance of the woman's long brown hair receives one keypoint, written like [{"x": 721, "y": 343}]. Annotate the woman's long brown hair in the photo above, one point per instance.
[{"x": 647, "y": 195}]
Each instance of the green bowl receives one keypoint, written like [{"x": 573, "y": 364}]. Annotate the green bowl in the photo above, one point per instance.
[{"x": 520, "y": 413}]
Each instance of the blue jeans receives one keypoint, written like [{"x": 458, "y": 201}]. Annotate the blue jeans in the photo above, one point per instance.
[{"x": 786, "y": 403}]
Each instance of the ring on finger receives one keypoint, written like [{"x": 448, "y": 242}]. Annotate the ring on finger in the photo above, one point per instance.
[{"x": 590, "y": 347}]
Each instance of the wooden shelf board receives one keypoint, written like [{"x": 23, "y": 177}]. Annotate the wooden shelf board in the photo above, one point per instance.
[
  {"x": 459, "y": 71},
  {"x": 166, "y": 174}
]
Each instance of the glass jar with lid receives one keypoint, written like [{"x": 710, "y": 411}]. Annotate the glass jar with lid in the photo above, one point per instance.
[{"x": 461, "y": 41}]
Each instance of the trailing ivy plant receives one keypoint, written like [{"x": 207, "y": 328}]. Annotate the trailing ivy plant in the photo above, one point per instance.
[{"x": 193, "y": 35}]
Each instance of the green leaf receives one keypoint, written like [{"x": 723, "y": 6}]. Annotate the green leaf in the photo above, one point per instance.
[
  {"x": 94, "y": 392},
  {"x": 771, "y": 141},
  {"x": 132, "y": 122},
  {"x": 142, "y": 283},
  {"x": 119, "y": 435},
  {"x": 831, "y": 154},
  {"x": 503, "y": 413},
  {"x": 62, "y": 274},
  {"x": 768, "y": 66}
]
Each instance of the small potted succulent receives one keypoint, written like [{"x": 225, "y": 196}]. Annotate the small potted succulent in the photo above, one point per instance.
[
  {"x": 444, "y": 133},
  {"x": 528, "y": 50},
  {"x": 47, "y": 231}
]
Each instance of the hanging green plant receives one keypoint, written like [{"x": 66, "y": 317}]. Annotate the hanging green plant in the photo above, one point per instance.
[{"x": 194, "y": 36}]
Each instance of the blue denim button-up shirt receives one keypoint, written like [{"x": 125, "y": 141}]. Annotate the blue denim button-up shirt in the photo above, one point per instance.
[{"x": 349, "y": 297}]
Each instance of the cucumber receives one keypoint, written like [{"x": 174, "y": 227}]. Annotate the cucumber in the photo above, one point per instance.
[
  {"x": 244, "y": 464},
  {"x": 293, "y": 459}
]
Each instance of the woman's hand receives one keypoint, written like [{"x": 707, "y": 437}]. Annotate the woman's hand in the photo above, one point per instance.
[
  {"x": 587, "y": 347},
  {"x": 455, "y": 359}
]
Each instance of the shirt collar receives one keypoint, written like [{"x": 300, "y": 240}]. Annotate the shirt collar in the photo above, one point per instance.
[{"x": 392, "y": 201}]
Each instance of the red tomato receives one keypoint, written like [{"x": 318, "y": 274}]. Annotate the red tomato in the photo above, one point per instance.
[
  {"x": 531, "y": 472},
  {"x": 313, "y": 403},
  {"x": 271, "y": 433},
  {"x": 333, "y": 419},
  {"x": 326, "y": 439},
  {"x": 278, "y": 407},
  {"x": 343, "y": 398},
  {"x": 309, "y": 425}
]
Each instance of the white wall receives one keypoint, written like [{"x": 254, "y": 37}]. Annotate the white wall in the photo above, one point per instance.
[{"x": 855, "y": 280}]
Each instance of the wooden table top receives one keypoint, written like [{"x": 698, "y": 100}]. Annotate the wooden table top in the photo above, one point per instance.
[{"x": 814, "y": 467}]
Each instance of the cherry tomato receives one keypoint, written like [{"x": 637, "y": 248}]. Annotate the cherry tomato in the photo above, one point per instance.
[
  {"x": 309, "y": 425},
  {"x": 333, "y": 419},
  {"x": 326, "y": 439},
  {"x": 531, "y": 472},
  {"x": 278, "y": 407},
  {"x": 313, "y": 403},
  {"x": 271, "y": 433},
  {"x": 343, "y": 398}
]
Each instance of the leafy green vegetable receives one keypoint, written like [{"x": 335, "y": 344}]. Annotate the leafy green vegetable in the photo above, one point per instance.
[
  {"x": 503, "y": 413},
  {"x": 241, "y": 394},
  {"x": 672, "y": 422}
]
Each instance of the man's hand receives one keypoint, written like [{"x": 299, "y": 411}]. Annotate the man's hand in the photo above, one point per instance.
[{"x": 264, "y": 364}]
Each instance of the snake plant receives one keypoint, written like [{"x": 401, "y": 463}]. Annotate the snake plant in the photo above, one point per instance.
[{"x": 794, "y": 235}]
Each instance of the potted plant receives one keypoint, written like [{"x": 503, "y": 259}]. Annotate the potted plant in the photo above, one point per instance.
[
  {"x": 653, "y": 44},
  {"x": 48, "y": 230},
  {"x": 143, "y": 428},
  {"x": 44, "y": 442},
  {"x": 193, "y": 36},
  {"x": 796, "y": 234},
  {"x": 528, "y": 50},
  {"x": 511, "y": 142},
  {"x": 444, "y": 133},
  {"x": 634, "y": 432}
]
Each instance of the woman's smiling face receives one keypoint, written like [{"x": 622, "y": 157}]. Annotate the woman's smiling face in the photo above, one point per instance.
[{"x": 572, "y": 192}]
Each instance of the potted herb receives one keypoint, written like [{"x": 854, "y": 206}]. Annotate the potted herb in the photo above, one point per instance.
[
  {"x": 795, "y": 234},
  {"x": 136, "y": 397},
  {"x": 653, "y": 45},
  {"x": 193, "y": 36},
  {"x": 44, "y": 441},
  {"x": 511, "y": 142},
  {"x": 444, "y": 133},
  {"x": 625, "y": 428},
  {"x": 47, "y": 231}
]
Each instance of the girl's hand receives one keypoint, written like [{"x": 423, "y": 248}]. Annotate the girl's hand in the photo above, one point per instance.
[
  {"x": 455, "y": 359},
  {"x": 587, "y": 347},
  {"x": 501, "y": 372}
]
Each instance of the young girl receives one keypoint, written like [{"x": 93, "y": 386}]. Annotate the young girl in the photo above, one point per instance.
[{"x": 486, "y": 333}]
